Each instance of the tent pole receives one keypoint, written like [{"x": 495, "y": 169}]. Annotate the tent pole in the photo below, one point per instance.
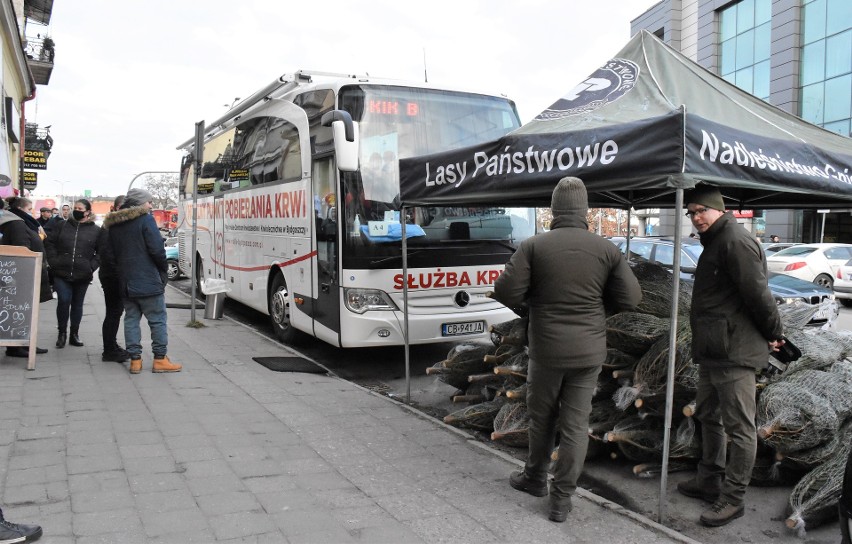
[
  {"x": 667, "y": 427},
  {"x": 628, "y": 222},
  {"x": 405, "y": 308}
]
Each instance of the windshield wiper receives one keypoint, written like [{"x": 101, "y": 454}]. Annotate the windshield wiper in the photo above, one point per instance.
[{"x": 392, "y": 257}]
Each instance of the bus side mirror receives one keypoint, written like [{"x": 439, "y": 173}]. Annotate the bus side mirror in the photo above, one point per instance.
[{"x": 345, "y": 132}]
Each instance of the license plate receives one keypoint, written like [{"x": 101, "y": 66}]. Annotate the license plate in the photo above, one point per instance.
[
  {"x": 458, "y": 329},
  {"x": 822, "y": 314}
]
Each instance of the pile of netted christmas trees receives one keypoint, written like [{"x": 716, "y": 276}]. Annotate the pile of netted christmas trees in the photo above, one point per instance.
[{"x": 803, "y": 412}]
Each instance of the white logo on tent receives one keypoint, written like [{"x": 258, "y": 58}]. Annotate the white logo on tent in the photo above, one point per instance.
[{"x": 609, "y": 83}]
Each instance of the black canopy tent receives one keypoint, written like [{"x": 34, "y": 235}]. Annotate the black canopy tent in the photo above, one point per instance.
[
  {"x": 647, "y": 122},
  {"x": 645, "y": 126}
]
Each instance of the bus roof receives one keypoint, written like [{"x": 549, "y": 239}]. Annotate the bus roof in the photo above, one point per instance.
[{"x": 286, "y": 86}]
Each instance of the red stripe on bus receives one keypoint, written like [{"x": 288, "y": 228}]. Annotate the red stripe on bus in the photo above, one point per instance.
[{"x": 264, "y": 267}]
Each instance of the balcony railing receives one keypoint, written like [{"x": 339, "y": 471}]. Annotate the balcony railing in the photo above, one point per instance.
[{"x": 40, "y": 54}]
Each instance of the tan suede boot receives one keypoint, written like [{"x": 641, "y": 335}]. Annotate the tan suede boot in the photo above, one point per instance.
[
  {"x": 135, "y": 366},
  {"x": 163, "y": 364}
]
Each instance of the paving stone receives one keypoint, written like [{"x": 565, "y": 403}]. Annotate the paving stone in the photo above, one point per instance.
[
  {"x": 114, "y": 521},
  {"x": 241, "y": 524},
  {"x": 25, "y": 494},
  {"x": 164, "y": 501},
  {"x": 139, "y": 451},
  {"x": 215, "y": 504},
  {"x": 158, "y": 524},
  {"x": 79, "y": 483},
  {"x": 156, "y": 482},
  {"x": 34, "y": 460},
  {"x": 101, "y": 500},
  {"x": 268, "y": 484},
  {"x": 307, "y": 521},
  {"x": 93, "y": 463},
  {"x": 388, "y": 533},
  {"x": 221, "y": 483},
  {"x": 409, "y": 506}
]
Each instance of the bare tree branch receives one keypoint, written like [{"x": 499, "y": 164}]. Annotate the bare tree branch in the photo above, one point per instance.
[{"x": 164, "y": 189}]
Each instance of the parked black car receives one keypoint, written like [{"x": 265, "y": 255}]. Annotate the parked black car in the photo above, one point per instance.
[{"x": 785, "y": 289}]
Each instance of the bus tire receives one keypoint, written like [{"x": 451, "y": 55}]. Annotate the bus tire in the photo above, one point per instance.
[
  {"x": 199, "y": 277},
  {"x": 279, "y": 312}
]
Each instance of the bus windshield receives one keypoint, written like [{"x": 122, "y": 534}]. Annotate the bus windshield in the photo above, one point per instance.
[{"x": 402, "y": 122}]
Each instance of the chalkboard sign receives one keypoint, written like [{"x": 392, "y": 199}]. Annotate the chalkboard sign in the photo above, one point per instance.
[{"x": 20, "y": 283}]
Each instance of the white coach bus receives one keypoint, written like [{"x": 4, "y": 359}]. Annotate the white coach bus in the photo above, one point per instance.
[{"x": 298, "y": 211}]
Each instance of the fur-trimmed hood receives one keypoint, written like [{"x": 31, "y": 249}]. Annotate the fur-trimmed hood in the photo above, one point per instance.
[
  {"x": 6, "y": 216},
  {"x": 124, "y": 215}
]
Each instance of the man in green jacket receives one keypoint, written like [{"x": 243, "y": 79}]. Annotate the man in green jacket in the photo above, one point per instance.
[
  {"x": 567, "y": 277},
  {"x": 735, "y": 323}
]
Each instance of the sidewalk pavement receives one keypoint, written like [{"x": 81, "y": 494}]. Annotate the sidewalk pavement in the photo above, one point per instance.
[{"x": 229, "y": 451}]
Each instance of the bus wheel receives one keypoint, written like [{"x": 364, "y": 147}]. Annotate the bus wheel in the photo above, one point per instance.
[
  {"x": 279, "y": 312},
  {"x": 199, "y": 277}
]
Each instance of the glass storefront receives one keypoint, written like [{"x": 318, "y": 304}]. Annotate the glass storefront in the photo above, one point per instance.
[{"x": 827, "y": 64}]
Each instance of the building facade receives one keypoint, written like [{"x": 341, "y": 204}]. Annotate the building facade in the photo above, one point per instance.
[
  {"x": 26, "y": 60},
  {"x": 795, "y": 54}
]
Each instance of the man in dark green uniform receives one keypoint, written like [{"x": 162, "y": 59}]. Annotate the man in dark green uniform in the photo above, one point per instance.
[
  {"x": 733, "y": 318},
  {"x": 565, "y": 277}
]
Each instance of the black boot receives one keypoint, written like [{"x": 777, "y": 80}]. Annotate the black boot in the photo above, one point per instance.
[
  {"x": 60, "y": 340},
  {"x": 74, "y": 339}
]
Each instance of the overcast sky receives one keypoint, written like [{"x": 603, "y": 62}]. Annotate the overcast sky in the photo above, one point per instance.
[{"x": 132, "y": 77}]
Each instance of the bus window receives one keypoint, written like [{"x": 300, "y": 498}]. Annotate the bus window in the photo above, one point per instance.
[{"x": 268, "y": 149}]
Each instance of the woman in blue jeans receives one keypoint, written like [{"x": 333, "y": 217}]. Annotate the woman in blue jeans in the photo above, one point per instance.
[{"x": 72, "y": 252}]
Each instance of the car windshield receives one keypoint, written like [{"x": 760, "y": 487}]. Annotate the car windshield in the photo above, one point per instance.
[{"x": 795, "y": 251}]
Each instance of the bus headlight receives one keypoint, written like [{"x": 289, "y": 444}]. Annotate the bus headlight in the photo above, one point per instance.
[{"x": 364, "y": 300}]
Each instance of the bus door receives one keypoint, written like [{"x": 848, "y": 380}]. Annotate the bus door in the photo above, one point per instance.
[
  {"x": 326, "y": 308},
  {"x": 220, "y": 256}
]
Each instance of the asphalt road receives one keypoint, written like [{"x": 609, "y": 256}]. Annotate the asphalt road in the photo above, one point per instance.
[{"x": 383, "y": 370}]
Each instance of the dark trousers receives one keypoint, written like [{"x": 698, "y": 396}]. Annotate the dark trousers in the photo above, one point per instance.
[
  {"x": 70, "y": 296},
  {"x": 114, "y": 309},
  {"x": 725, "y": 404},
  {"x": 559, "y": 400}
]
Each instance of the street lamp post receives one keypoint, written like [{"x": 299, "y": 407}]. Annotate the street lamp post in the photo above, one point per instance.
[
  {"x": 61, "y": 189},
  {"x": 140, "y": 174}
]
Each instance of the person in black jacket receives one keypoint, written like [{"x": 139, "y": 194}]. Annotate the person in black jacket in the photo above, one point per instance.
[
  {"x": 23, "y": 208},
  {"x": 45, "y": 216},
  {"x": 140, "y": 258},
  {"x": 108, "y": 274},
  {"x": 58, "y": 219},
  {"x": 72, "y": 251},
  {"x": 14, "y": 232},
  {"x": 735, "y": 324},
  {"x": 567, "y": 277}
]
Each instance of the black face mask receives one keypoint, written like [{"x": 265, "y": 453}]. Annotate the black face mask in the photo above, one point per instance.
[{"x": 77, "y": 215}]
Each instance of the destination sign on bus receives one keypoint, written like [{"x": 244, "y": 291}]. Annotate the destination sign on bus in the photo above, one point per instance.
[{"x": 393, "y": 107}]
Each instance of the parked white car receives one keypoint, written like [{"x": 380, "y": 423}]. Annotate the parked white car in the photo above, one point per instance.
[
  {"x": 818, "y": 263},
  {"x": 843, "y": 284}
]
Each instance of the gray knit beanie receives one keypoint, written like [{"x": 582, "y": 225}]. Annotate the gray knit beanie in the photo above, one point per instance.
[
  {"x": 706, "y": 195},
  {"x": 570, "y": 197},
  {"x": 137, "y": 197}
]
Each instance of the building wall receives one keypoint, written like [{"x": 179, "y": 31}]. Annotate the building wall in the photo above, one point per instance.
[
  {"x": 692, "y": 26},
  {"x": 15, "y": 84}
]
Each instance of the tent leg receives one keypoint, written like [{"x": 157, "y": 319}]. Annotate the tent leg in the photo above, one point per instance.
[
  {"x": 405, "y": 309},
  {"x": 667, "y": 427}
]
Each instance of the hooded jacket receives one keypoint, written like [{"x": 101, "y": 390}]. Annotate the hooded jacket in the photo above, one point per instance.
[
  {"x": 72, "y": 250},
  {"x": 568, "y": 277},
  {"x": 138, "y": 251},
  {"x": 14, "y": 232},
  {"x": 733, "y": 313}
]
